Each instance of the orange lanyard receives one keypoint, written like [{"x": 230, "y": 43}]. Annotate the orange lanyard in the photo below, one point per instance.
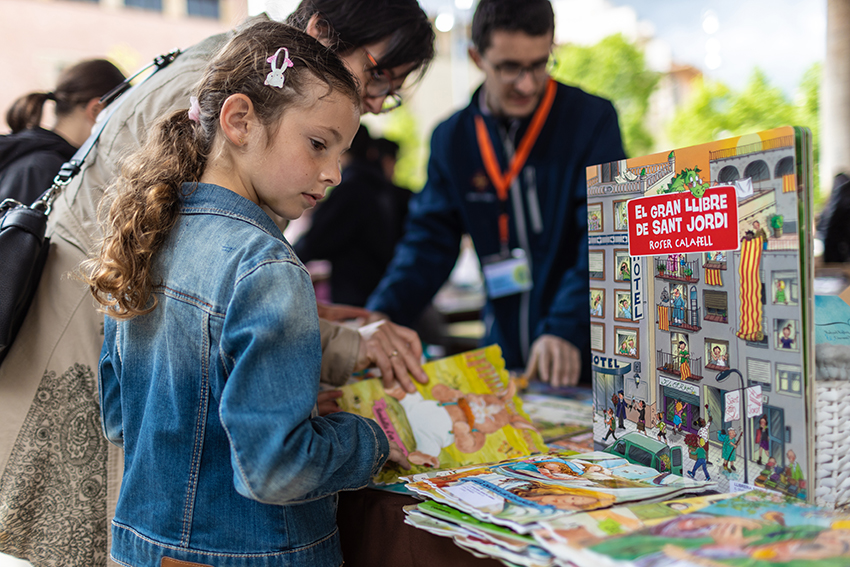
[{"x": 502, "y": 182}]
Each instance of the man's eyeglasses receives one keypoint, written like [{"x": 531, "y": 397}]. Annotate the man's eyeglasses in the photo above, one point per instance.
[
  {"x": 511, "y": 72},
  {"x": 380, "y": 85}
]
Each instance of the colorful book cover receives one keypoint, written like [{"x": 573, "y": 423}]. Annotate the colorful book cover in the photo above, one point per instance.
[
  {"x": 467, "y": 413},
  {"x": 521, "y": 493},
  {"x": 757, "y": 529},
  {"x": 563, "y": 536},
  {"x": 701, "y": 309}
]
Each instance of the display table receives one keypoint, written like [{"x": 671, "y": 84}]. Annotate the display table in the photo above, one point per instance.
[{"x": 373, "y": 533}]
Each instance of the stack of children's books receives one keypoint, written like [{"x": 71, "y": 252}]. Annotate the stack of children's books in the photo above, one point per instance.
[{"x": 702, "y": 318}]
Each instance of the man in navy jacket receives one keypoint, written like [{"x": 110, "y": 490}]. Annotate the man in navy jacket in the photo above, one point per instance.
[{"x": 538, "y": 210}]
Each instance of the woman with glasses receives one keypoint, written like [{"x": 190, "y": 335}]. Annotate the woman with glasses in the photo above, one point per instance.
[{"x": 60, "y": 477}]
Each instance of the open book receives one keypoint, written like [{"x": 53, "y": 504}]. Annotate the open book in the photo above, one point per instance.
[{"x": 468, "y": 413}]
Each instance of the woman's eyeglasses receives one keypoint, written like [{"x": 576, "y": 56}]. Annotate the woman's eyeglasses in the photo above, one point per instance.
[{"x": 380, "y": 85}]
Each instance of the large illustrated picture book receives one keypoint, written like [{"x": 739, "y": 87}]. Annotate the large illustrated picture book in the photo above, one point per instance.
[
  {"x": 701, "y": 310},
  {"x": 467, "y": 413}
]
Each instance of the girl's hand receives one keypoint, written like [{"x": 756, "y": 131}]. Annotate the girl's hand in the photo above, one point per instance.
[
  {"x": 397, "y": 456},
  {"x": 326, "y": 402},
  {"x": 336, "y": 312}
]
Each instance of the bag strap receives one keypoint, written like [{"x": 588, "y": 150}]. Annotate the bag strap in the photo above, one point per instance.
[{"x": 73, "y": 166}]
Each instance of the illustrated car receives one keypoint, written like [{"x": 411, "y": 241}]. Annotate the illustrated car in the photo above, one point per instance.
[{"x": 642, "y": 450}]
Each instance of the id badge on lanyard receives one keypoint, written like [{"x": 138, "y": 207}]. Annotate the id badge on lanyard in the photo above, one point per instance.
[{"x": 508, "y": 272}]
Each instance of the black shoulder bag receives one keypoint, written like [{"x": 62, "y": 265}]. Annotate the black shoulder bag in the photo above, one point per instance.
[{"x": 23, "y": 245}]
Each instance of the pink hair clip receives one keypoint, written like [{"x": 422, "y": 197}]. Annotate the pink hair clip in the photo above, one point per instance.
[
  {"x": 276, "y": 78},
  {"x": 194, "y": 109}
]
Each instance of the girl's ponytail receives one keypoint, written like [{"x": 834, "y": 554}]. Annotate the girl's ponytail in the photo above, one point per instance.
[
  {"x": 76, "y": 85},
  {"x": 25, "y": 112},
  {"x": 144, "y": 209}
]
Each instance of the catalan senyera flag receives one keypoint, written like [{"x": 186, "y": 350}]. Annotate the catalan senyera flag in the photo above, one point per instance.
[
  {"x": 712, "y": 277},
  {"x": 663, "y": 318},
  {"x": 789, "y": 183},
  {"x": 750, "y": 326},
  {"x": 685, "y": 370}
]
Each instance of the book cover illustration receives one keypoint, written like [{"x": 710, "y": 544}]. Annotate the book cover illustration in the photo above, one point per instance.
[
  {"x": 482, "y": 539},
  {"x": 564, "y": 535},
  {"x": 700, "y": 310},
  {"x": 557, "y": 418},
  {"x": 756, "y": 529},
  {"x": 832, "y": 338},
  {"x": 521, "y": 493},
  {"x": 467, "y": 413}
]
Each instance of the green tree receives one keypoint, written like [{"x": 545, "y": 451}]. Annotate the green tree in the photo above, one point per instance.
[
  {"x": 614, "y": 69},
  {"x": 714, "y": 111},
  {"x": 402, "y": 128}
]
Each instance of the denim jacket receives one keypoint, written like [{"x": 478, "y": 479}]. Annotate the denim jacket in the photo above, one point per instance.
[{"x": 211, "y": 395}]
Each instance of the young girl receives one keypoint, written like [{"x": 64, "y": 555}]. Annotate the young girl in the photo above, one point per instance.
[{"x": 210, "y": 365}]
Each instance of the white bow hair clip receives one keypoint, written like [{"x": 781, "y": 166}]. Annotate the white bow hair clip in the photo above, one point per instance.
[{"x": 276, "y": 78}]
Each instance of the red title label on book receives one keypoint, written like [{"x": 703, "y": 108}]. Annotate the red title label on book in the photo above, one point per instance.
[{"x": 680, "y": 223}]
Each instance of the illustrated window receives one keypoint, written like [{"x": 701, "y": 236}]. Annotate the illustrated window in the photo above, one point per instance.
[
  {"x": 597, "y": 302},
  {"x": 716, "y": 354},
  {"x": 716, "y": 306},
  {"x": 784, "y": 288},
  {"x": 785, "y": 335},
  {"x": 597, "y": 337},
  {"x": 789, "y": 379},
  {"x": 596, "y": 260},
  {"x": 626, "y": 342},
  {"x": 622, "y": 265},
  {"x": 622, "y": 305},
  {"x": 758, "y": 371},
  {"x": 594, "y": 218},
  {"x": 621, "y": 216}
]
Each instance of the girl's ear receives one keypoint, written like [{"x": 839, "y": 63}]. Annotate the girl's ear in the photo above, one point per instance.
[
  {"x": 237, "y": 119},
  {"x": 93, "y": 108},
  {"x": 319, "y": 29}
]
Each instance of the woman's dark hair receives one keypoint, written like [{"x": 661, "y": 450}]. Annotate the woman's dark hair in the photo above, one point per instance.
[
  {"x": 76, "y": 86},
  {"x": 147, "y": 194},
  {"x": 533, "y": 17},
  {"x": 350, "y": 24}
]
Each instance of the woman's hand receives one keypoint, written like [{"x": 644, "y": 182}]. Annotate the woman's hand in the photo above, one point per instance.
[{"x": 395, "y": 350}]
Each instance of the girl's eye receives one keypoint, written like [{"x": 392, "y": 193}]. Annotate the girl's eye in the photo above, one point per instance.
[{"x": 317, "y": 145}]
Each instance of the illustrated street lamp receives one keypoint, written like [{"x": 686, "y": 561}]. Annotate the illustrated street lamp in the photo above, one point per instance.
[{"x": 720, "y": 378}]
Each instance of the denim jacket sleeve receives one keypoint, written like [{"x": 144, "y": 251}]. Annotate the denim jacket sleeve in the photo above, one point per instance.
[
  {"x": 109, "y": 387},
  {"x": 271, "y": 354}
]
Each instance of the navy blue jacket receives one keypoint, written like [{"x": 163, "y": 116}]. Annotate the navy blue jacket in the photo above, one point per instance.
[{"x": 548, "y": 217}]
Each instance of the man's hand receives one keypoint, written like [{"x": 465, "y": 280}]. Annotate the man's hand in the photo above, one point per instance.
[
  {"x": 554, "y": 360},
  {"x": 335, "y": 312},
  {"x": 395, "y": 350}
]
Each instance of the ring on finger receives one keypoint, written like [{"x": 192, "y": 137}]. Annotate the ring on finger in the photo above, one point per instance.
[{"x": 393, "y": 353}]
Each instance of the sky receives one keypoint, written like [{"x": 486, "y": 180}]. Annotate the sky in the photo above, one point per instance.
[
  {"x": 781, "y": 37},
  {"x": 726, "y": 39}
]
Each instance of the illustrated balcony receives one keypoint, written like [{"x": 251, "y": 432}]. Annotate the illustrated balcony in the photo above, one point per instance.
[
  {"x": 680, "y": 318},
  {"x": 675, "y": 270},
  {"x": 672, "y": 364}
]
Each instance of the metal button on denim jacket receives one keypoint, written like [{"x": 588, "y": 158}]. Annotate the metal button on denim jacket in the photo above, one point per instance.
[{"x": 211, "y": 395}]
